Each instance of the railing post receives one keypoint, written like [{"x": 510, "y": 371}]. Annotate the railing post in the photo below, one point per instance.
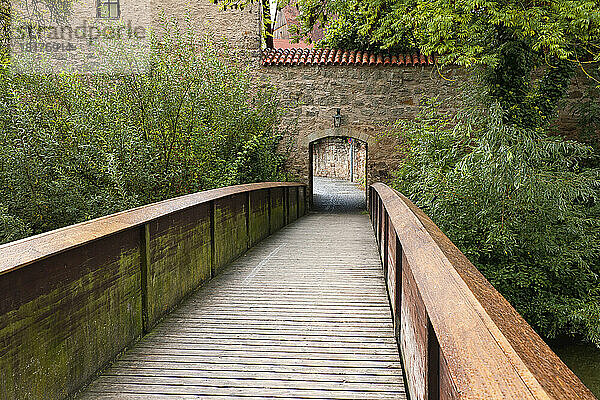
[
  {"x": 144, "y": 264},
  {"x": 375, "y": 209},
  {"x": 385, "y": 243},
  {"x": 247, "y": 220},
  {"x": 370, "y": 199},
  {"x": 297, "y": 202},
  {"x": 213, "y": 258},
  {"x": 269, "y": 208},
  {"x": 383, "y": 214},
  {"x": 376, "y": 217},
  {"x": 380, "y": 218},
  {"x": 374, "y": 205},
  {"x": 371, "y": 204},
  {"x": 286, "y": 206},
  {"x": 433, "y": 364},
  {"x": 398, "y": 299},
  {"x": 305, "y": 206}
]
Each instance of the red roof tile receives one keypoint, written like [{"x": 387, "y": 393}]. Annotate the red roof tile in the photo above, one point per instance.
[
  {"x": 299, "y": 56},
  {"x": 345, "y": 58}
]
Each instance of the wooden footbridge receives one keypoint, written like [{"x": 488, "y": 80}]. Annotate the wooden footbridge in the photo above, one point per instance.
[{"x": 240, "y": 292}]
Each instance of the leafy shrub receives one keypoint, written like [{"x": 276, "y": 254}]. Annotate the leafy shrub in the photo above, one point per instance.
[
  {"x": 519, "y": 205},
  {"x": 75, "y": 147}
]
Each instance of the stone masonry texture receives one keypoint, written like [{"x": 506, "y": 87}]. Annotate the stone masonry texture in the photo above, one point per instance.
[
  {"x": 371, "y": 99},
  {"x": 240, "y": 29}
]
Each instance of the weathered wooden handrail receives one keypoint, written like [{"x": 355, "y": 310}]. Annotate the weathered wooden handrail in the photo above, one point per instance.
[
  {"x": 459, "y": 338},
  {"x": 73, "y": 298}
]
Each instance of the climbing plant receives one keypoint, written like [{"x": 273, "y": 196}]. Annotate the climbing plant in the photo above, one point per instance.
[{"x": 587, "y": 113}]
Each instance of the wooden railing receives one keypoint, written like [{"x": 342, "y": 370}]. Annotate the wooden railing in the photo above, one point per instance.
[
  {"x": 459, "y": 338},
  {"x": 73, "y": 298}
]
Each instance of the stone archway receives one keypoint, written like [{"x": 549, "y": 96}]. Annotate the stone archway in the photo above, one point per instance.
[
  {"x": 339, "y": 132},
  {"x": 351, "y": 144}
]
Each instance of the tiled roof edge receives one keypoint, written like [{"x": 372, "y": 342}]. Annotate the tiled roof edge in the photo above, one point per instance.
[{"x": 295, "y": 56}]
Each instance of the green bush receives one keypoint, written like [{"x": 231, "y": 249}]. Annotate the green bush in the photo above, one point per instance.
[
  {"x": 79, "y": 146},
  {"x": 520, "y": 206}
]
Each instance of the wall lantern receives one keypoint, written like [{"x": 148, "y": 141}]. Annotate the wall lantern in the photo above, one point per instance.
[{"x": 337, "y": 119}]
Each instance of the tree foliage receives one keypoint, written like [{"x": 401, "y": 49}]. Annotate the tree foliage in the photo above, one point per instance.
[
  {"x": 520, "y": 206},
  {"x": 462, "y": 32},
  {"x": 75, "y": 147}
]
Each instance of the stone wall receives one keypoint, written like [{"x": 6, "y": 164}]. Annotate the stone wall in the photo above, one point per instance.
[
  {"x": 77, "y": 42},
  {"x": 335, "y": 157},
  {"x": 240, "y": 28},
  {"x": 371, "y": 99},
  {"x": 570, "y": 112}
]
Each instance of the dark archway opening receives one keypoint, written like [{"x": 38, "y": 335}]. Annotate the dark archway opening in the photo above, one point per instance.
[{"x": 338, "y": 174}]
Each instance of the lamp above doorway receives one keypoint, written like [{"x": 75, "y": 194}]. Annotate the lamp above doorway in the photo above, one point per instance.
[{"x": 337, "y": 119}]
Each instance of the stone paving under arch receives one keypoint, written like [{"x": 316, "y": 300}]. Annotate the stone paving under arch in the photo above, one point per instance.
[{"x": 338, "y": 196}]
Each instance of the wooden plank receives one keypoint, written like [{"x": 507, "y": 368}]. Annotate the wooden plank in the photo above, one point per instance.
[
  {"x": 190, "y": 354},
  {"x": 391, "y": 372},
  {"x": 263, "y": 309},
  {"x": 306, "y": 376},
  {"x": 342, "y": 323},
  {"x": 289, "y": 347},
  {"x": 151, "y": 396},
  {"x": 237, "y": 382},
  {"x": 291, "y": 302},
  {"x": 274, "y": 337},
  {"x": 190, "y": 330},
  {"x": 267, "y": 359},
  {"x": 242, "y": 392},
  {"x": 304, "y": 314},
  {"x": 276, "y": 374},
  {"x": 289, "y": 344},
  {"x": 369, "y": 315}
]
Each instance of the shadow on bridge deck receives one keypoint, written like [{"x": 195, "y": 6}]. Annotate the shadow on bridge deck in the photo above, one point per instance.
[{"x": 304, "y": 314}]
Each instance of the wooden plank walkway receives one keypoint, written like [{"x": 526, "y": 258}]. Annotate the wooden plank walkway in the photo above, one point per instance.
[{"x": 302, "y": 315}]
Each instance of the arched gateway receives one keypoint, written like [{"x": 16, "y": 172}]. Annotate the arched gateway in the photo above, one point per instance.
[{"x": 338, "y": 153}]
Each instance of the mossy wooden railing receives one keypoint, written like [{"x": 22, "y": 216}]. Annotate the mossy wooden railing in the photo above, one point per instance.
[
  {"x": 72, "y": 299},
  {"x": 459, "y": 338}
]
